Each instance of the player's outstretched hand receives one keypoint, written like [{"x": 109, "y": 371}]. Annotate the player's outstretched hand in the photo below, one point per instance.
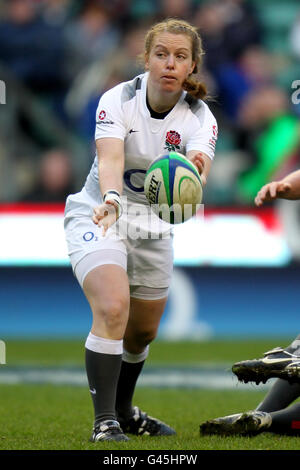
[
  {"x": 105, "y": 215},
  {"x": 198, "y": 161},
  {"x": 271, "y": 191}
]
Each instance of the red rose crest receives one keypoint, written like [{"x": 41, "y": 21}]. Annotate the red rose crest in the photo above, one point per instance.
[
  {"x": 102, "y": 115},
  {"x": 173, "y": 141}
]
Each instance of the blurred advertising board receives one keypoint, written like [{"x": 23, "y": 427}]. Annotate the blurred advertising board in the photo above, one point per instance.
[{"x": 33, "y": 235}]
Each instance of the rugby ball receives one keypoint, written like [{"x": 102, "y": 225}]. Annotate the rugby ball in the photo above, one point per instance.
[{"x": 173, "y": 188}]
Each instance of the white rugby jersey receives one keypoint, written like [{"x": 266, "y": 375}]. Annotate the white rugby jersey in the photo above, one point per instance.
[{"x": 123, "y": 113}]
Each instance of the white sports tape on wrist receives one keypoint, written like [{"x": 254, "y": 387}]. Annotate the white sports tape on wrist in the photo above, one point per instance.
[{"x": 113, "y": 195}]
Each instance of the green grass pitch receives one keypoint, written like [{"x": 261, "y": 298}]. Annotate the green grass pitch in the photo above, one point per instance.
[{"x": 59, "y": 417}]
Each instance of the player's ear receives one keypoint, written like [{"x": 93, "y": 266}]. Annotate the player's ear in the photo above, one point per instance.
[{"x": 193, "y": 68}]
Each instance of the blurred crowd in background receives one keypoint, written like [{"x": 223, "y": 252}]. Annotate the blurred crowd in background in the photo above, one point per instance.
[{"x": 57, "y": 57}]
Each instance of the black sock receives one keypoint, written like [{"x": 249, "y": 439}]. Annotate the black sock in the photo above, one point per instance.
[
  {"x": 286, "y": 421},
  {"x": 279, "y": 396},
  {"x": 103, "y": 373},
  {"x": 126, "y": 386}
]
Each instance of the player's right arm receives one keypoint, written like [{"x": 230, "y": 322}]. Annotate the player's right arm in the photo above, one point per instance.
[
  {"x": 110, "y": 153},
  {"x": 109, "y": 136},
  {"x": 287, "y": 188}
]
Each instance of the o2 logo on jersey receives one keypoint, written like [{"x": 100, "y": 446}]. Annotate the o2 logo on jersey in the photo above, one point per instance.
[
  {"x": 102, "y": 115},
  {"x": 129, "y": 181},
  {"x": 88, "y": 236}
]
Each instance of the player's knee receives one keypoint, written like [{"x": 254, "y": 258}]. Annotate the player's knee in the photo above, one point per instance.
[
  {"x": 143, "y": 338},
  {"x": 114, "y": 312}
]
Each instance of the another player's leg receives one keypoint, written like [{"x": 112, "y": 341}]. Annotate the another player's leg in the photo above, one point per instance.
[
  {"x": 142, "y": 328},
  {"x": 248, "y": 423},
  {"x": 106, "y": 288},
  {"x": 272, "y": 413},
  {"x": 286, "y": 421},
  {"x": 277, "y": 363},
  {"x": 280, "y": 395}
]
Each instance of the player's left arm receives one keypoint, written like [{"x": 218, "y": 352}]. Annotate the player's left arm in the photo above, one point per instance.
[
  {"x": 200, "y": 146},
  {"x": 202, "y": 162}
]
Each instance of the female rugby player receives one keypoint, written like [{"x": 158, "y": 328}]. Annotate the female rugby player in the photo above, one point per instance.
[{"x": 124, "y": 261}]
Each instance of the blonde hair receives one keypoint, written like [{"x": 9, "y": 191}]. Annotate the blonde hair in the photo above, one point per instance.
[{"x": 175, "y": 26}]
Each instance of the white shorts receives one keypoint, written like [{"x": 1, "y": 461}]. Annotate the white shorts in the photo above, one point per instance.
[{"x": 148, "y": 262}]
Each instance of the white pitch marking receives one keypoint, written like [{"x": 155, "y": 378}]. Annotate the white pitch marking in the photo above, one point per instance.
[{"x": 203, "y": 378}]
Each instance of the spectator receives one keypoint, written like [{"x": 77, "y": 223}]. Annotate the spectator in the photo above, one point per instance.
[
  {"x": 175, "y": 8},
  {"x": 271, "y": 136},
  {"x": 55, "y": 179},
  {"x": 210, "y": 21},
  {"x": 295, "y": 37},
  {"x": 32, "y": 49},
  {"x": 90, "y": 37},
  {"x": 252, "y": 70},
  {"x": 229, "y": 28},
  {"x": 242, "y": 26},
  {"x": 83, "y": 97},
  {"x": 56, "y": 12}
]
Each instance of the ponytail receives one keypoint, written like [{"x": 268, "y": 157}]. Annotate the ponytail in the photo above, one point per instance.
[{"x": 195, "y": 88}]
